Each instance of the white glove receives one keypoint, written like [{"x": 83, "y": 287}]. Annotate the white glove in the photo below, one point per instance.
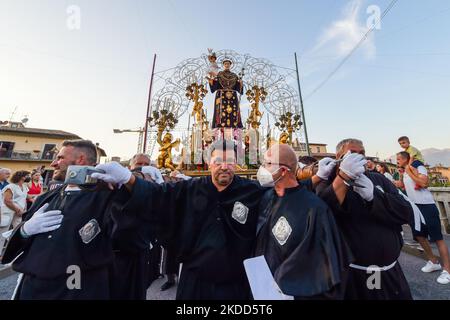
[
  {"x": 42, "y": 221},
  {"x": 115, "y": 173},
  {"x": 353, "y": 165},
  {"x": 154, "y": 173},
  {"x": 367, "y": 192},
  {"x": 182, "y": 176},
  {"x": 326, "y": 166}
]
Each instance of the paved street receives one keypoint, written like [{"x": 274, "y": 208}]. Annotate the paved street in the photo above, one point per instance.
[
  {"x": 7, "y": 286},
  {"x": 423, "y": 285}
]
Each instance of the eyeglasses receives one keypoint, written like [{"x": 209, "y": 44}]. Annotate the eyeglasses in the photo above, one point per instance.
[
  {"x": 219, "y": 161},
  {"x": 279, "y": 164}
]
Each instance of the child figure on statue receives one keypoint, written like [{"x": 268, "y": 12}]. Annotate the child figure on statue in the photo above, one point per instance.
[{"x": 213, "y": 66}]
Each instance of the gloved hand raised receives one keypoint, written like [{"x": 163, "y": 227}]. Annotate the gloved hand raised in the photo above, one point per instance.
[
  {"x": 43, "y": 221},
  {"x": 366, "y": 189},
  {"x": 353, "y": 165},
  {"x": 114, "y": 173},
  {"x": 326, "y": 166},
  {"x": 154, "y": 173}
]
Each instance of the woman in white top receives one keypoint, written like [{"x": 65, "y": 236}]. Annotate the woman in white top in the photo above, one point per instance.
[
  {"x": 384, "y": 170},
  {"x": 15, "y": 197}
]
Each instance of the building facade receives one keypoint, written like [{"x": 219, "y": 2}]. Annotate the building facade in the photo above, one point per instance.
[{"x": 23, "y": 148}]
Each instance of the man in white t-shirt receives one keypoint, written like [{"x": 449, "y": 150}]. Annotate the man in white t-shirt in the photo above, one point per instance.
[{"x": 423, "y": 198}]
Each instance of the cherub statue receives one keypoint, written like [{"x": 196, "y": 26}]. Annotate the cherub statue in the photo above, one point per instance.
[
  {"x": 213, "y": 66},
  {"x": 165, "y": 150}
]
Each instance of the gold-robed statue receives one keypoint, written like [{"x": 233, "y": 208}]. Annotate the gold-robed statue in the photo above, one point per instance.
[{"x": 165, "y": 150}]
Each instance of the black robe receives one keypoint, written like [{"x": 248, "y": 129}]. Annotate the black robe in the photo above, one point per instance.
[
  {"x": 197, "y": 221},
  {"x": 372, "y": 230},
  {"x": 312, "y": 263},
  {"x": 227, "y": 113},
  {"x": 136, "y": 264},
  {"x": 46, "y": 257}
]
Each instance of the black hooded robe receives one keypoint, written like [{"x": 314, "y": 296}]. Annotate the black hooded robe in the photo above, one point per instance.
[
  {"x": 212, "y": 232},
  {"x": 313, "y": 261},
  {"x": 372, "y": 231},
  {"x": 47, "y": 260}
]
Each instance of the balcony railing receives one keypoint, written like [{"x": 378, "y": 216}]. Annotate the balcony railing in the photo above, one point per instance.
[{"x": 26, "y": 155}]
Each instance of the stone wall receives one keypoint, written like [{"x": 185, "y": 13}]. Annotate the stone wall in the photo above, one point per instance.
[{"x": 442, "y": 198}]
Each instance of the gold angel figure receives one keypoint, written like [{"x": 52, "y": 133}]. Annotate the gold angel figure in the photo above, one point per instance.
[{"x": 165, "y": 150}]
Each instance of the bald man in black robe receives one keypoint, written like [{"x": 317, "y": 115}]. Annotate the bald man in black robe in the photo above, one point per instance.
[{"x": 298, "y": 236}]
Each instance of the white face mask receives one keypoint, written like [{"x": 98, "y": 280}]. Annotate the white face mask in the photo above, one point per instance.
[{"x": 265, "y": 177}]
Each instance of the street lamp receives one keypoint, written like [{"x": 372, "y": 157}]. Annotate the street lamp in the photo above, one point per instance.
[{"x": 141, "y": 135}]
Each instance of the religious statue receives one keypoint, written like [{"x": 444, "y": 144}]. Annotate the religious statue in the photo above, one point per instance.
[
  {"x": 227, "y": 85},
  {"x": 165, "y": 150}
]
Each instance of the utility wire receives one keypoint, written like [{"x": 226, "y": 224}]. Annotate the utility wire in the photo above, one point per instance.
[{"x": 347, "y": 57}]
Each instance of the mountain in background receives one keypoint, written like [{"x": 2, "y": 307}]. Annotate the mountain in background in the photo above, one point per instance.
[{"x": 433, "y": 157}]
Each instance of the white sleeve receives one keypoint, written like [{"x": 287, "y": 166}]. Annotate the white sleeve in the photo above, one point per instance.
[
  {"x": 422, "y": 170},
  {"x": 8, "y": 187}
]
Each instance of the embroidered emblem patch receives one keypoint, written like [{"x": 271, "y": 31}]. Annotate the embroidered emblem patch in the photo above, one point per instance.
[
  {"x": 282, "y": 230},
  {"x": 240, "y": 212},
  {"x": 89, "y": 231}
]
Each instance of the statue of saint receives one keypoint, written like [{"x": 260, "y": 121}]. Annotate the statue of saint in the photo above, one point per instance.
[{"x": 228, "y": 88}]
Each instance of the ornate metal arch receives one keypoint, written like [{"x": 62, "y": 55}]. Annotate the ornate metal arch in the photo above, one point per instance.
[{"x": 282, "y": 97}]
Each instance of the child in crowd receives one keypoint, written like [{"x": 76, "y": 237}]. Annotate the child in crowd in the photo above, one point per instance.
[{"x": 416, "y": 156}]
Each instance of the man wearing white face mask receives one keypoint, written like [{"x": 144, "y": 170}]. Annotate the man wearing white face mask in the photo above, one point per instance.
[{"x": 297, "y": 234}]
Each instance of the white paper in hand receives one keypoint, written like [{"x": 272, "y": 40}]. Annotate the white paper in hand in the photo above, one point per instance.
[{"x": 261, "y": 281}]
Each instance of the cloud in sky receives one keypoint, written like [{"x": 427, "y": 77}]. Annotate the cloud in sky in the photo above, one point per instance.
[{"x": 339, "y": 38}]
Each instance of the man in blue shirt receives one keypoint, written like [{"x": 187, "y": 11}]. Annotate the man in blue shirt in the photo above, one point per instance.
[{"x": 4, "y": 176}]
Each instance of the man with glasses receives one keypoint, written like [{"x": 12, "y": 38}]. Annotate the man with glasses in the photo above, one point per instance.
[
  {"x": 210, "y": 221},
  {"x": 369, "y": 212}
]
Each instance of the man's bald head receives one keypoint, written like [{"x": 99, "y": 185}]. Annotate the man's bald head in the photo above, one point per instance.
[{"x": 284, "y": 155}]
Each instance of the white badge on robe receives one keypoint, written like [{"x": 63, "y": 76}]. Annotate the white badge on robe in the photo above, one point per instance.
[
  {"x": 282, "y": 230},
  {"x": 89, "y": 231},
  {"x": 240, "y": 212}
]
